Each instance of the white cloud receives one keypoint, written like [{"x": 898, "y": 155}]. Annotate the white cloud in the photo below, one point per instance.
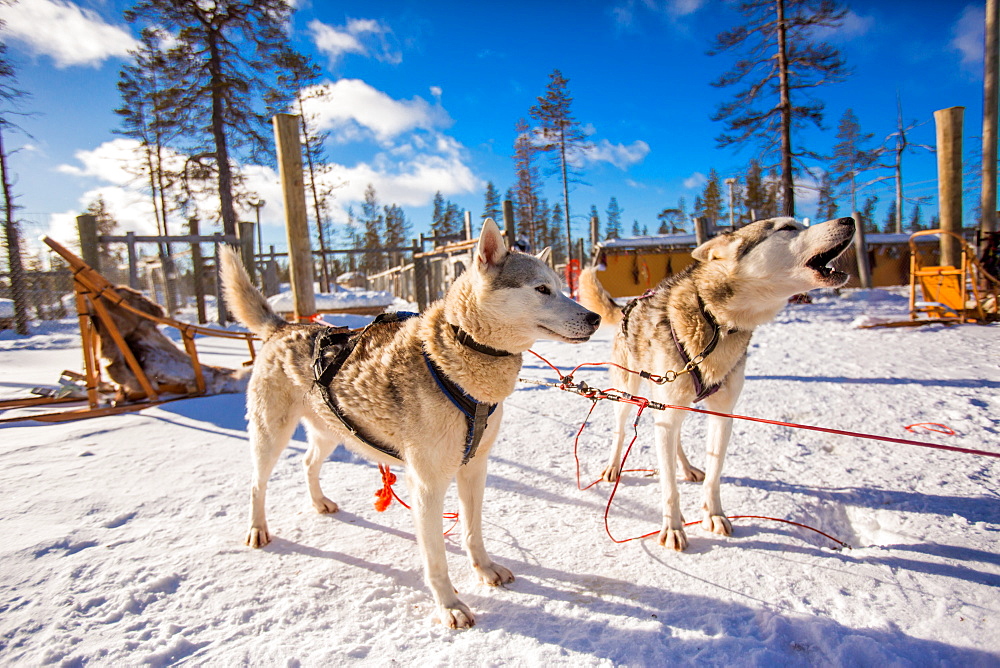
[
  {"x": 967, "y": 34},
  {"x": 349, "y": 107},
  {"x": 366, "y": 37},
  {"x": 696, "y": 180},
  {"x": 67, "y": 33},
  {"x": 624, "y": 13},
  {"x": 620, "y": 155}
]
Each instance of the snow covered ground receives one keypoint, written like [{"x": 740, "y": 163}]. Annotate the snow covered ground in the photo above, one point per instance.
[{"x": 122, "y": 536}]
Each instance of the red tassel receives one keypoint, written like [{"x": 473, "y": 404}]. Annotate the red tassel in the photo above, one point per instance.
[{"x": 384, "y": 495}]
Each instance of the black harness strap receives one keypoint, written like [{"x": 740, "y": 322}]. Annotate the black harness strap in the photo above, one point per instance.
[
  {"x": 696, "y": 378},
  {"x": 345, "y": 340}
]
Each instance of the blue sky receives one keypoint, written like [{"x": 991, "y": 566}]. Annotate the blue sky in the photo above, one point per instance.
[{"x": 425, "y": 96}]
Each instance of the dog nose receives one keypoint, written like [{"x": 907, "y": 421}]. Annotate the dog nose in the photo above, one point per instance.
[
  {"x": 846, "y": 221},
  {"x": 593, "y": 319}
]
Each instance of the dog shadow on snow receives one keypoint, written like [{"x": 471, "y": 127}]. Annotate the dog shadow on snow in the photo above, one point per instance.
[{"x": 631, "y": 624}]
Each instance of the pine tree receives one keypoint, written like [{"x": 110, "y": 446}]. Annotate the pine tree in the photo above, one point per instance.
[
  {"x": 782, "y": 59},
  {"x": 614, "y": 218},
  {"x": 636, "y": 230},
  {"x": 372, "y": 224},
  {"x": 149, "y": 116},
  {"x": 851, "y": 156},
  {"x": 891, "y": 218},
  {"x": 755, "y": 197},
  {"x": 397, "y": 229},
  {"x": 10, "y": 98},
  {"x": 826, "y": 202},
  {"x": 561, "y": 135},
  {"x": 555, "y": 239},
  {"x": 867, "y": 214},
  {"x": 915, "y": 223},
  {"x": 223, "y": 65},
  {"x": 107, "y": 225},
  {"x": 491, "y": 204},
  {"x": 527, "y": 183},
  {"x": 711, "y": 199}
]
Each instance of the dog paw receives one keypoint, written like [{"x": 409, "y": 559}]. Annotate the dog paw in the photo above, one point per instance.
[
  {"x": 692, "y": 474},
  {"x": 719, "y": 524},
  {"x": 258, "y": 537},
  {"x": 494, "y": 575},
  {"x": 675, "y": 539},
  {"x": 611, "y": 473},
  {"x": 325, "y": 506},
  {"x": 456, "y": 616}
]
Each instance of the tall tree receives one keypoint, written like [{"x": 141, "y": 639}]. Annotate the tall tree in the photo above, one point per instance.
[
  {"x": 150, "y": 117},
  {"x": 491, "y": 204},
  {"x": 781, "y": 62},
  {"x": 397, "y": 229},
  {"x": 561, "y": 135},
  {"x": 298, "y": 74},
  {"x": 372, "y": 223},
  {"x": 711, "y": 199},
  {"x": 826, "y": 201},
  {"x": 107, "y": 225},
  {"x": 867, "y": 214},
  {"x": 224, "y": 61},
  {"x": 757, "y": 204},
  {"x": 899, "y": 143},
  {"x": 614, "y": 217},
  {"x": 555, "y": 239},
  {"x": 852, "y": 156},
  {"x": 915, "y": 223},
  {"x": 527, "y": 183},
  {"x": 10, "y": 97},
  {"x": 891, "y": 219}
]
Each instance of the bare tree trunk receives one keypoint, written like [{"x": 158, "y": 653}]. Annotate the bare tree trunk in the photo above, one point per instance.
[
  {"x": 988, "y": 201},
  {"x": 307, "y": 140},
  {"x": 18, "y": 284},
  {"x": 565, "y": 180},
  {"x": 900, "y": 148},
  {"x": 219, "y": 135},
  {"x": 787, "y": 185}
]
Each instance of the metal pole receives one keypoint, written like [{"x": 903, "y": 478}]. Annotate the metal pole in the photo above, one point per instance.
[{"x": 988, "y": 201}]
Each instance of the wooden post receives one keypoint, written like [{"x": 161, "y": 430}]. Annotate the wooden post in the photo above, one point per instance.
[
  {"x": 861, "y": 252},
  {"x": 220, "y": 300},
  {"x": 988, "y": 201},
  {"x": 245, "y": 231},
  {"x": 508, "y": 222},
  {"x": 468, "y": 225},
  {"x": 300, "y": 263},
  {"x": 700, "y": 230},
  {"x": 197, "y": 272},
  {"x": 949, "y": 153},
  {"x": 87, "y": 225},
  {"x": 595, "y": 232},
  {"x": 133, "y": 267}
]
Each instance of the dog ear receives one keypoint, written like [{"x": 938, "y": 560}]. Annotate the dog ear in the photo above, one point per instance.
[
  {"x": 491, "y": 250},
  {"x": 545, "y": 255},
  {"x": 716, "y": 248}
]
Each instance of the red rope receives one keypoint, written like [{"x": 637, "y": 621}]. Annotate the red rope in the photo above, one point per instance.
[
  {"x": 385, "y": 496},
  {"x": 794, "y": 425}
]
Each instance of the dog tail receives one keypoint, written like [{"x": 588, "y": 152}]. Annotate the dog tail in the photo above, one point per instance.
[
  {"x": 594, "y": 297},
  {"x": 244, "y": 300}
]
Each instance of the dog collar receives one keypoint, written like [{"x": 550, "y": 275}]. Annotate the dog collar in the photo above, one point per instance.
[{"x": 466, "y": 340}]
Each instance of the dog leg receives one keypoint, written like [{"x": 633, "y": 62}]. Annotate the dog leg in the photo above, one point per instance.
[
  {"x": 267, "y": 440},
  {"x": 668, "y": 433},
  {"x": 613, "y": 471},
  {"x": 720, "y": 431},
  {"x": 691, "y": 473},
  {"x": 471, "y": 487},
  {"x": 428, "y": 503},
  {"x": 321, "y": 444}
]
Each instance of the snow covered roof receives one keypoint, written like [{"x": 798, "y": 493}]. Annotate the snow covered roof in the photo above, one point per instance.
[
  {"x": 332, "y": 301},
  {"x": 652, "y": 241}
]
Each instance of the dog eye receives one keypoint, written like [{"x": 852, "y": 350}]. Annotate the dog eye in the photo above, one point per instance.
[{"x": 543, "y": 289}]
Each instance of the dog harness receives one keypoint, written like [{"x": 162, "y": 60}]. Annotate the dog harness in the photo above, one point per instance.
[
  {"x": 701, "y": 392},
  {"x": 345, "y": 341}
]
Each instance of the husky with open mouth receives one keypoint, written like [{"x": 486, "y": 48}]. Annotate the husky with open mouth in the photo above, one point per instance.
[{"x": 707, "y": 314}]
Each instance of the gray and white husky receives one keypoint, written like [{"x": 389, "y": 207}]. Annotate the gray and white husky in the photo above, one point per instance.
[
  {"x": 738, "y": 281},
  {"x": 389, "y": 393}
]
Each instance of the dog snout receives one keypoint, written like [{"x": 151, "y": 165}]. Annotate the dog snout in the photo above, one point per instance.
[
  {"x": 593, "y": 319},
  {"x": 846, "y": 221}
]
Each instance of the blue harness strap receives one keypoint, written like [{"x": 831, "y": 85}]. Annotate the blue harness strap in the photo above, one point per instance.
[{"x": 475, "y": 412}]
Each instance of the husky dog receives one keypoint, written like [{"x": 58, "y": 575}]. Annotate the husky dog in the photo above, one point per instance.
[
  {"x": 706, "y": 314},
  {"x": 387, "y": 402}
]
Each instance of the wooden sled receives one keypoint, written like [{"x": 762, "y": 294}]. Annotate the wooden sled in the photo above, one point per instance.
[
  {"x": 95, "y": 295},
  {"x": 949, "y": 295}
]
